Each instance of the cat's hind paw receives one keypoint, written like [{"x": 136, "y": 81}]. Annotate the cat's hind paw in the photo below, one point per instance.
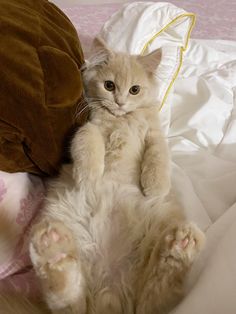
[
  {"x": 183, "y": 243},
  {"x": 52, "y": 243},
  {"x": 56, "y": 262}
]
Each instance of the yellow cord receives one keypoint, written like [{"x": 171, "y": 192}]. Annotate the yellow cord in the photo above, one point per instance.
[{"x": 182, "y": 49}]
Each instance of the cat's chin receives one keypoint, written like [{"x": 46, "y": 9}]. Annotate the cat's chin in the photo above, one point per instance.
[
  {"x": 119, "y": 113},
  {"x": 116, "y": 112}
]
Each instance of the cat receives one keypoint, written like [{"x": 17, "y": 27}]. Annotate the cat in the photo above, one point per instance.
[{"x": 111, "y": 238}]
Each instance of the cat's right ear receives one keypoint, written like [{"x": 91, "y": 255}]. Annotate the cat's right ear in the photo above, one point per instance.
[
  {"x": 100, "y": 51},
  {"x": 100, "y": 45},
  {"x": 152, "y": 60}
]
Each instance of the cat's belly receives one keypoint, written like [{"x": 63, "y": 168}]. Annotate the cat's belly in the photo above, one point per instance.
[{"x": 104, "y": 223}]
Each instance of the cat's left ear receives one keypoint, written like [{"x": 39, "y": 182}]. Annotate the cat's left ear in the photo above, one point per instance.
[{"x": 152, "y": 60}]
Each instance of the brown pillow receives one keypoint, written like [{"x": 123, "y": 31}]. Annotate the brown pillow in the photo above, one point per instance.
[{"x": 40, "y": 85}]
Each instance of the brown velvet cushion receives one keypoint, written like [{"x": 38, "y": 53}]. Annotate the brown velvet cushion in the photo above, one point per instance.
[{"x": 40, "y": 85}]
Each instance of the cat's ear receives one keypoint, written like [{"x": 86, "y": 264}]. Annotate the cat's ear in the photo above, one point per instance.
[
  {"x": 100, "y": 45},
  {"x": 100, "y": 52},
  {"x": 152, "y": 60}
]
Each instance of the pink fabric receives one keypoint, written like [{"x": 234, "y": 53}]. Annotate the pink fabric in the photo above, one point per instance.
[
  {"x": 25, "y": 283},
  {"x": 21, "y": 197},
  {"x": 88, "y": 20},
  {"x": 215, "y": 19}
]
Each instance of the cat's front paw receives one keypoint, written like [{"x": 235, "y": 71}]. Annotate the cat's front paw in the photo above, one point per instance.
[
  {"x": 155, "y": 184},
  {"x": 182, "y": 244}
]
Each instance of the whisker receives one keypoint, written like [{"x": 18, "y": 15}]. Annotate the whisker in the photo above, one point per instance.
[
  {"x": 93, "y": 104},
  {"x": 81, "y": 111}
]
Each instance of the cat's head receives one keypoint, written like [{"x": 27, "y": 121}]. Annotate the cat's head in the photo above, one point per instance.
[{"x": 120, "y": 82}]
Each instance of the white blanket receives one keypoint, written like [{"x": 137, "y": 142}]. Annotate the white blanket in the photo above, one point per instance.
[{"x": 202, "y": 139}]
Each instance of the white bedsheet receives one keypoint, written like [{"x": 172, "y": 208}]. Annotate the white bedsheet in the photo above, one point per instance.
[{"x": 202, "y": 138}]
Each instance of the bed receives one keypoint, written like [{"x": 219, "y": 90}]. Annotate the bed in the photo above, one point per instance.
[{"x": 201, "y": 130}]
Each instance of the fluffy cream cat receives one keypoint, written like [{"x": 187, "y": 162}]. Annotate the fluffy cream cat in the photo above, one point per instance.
[{"x": 110, "y": 240}]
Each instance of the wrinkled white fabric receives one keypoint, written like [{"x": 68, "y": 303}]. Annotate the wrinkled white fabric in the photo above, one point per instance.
[
  {"x": 202, "y": 133},
  {"x": 202, "y": 139}
]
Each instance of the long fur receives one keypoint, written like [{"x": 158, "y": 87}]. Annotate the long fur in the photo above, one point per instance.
[{"x": 111, "y": 239}]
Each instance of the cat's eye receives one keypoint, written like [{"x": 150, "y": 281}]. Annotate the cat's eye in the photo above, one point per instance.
[
  {"x": 134, "y": 90},
  {"x": 109, "y": 85}
]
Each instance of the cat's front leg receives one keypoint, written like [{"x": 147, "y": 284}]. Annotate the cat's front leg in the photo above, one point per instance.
[
  {"x": 88, "y": 152},
  {"x": 57, "y": 264},
  {"x": 155, "y": 168}
]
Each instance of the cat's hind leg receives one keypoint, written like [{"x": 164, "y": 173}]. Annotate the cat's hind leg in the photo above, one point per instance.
[
  {"x": 56, "y": 261},
  {"x": 170, "y": 260}
]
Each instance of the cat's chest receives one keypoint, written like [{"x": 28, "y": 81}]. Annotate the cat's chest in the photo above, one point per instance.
[
  {"x": 124, "y": 141},
  {"x": 124, "y": 135}
]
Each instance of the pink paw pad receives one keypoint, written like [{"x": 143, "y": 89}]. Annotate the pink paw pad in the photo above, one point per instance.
[
  {"x": 184, "y": 243},
  {"x": 51, "y": 236},
  {"x": 55, "y": 236},
  {"x": 57, "y": 258},
  {"x": 45, "y": 240}
]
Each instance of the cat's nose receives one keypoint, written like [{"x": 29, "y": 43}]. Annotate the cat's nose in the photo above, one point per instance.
[{"x": 120, "y": 104}]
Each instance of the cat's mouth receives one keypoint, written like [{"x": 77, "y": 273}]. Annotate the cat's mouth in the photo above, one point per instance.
[{"x": 115, "y": 110}]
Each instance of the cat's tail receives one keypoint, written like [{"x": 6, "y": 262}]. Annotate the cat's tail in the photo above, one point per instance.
[{"x": 20, "y": 305}]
